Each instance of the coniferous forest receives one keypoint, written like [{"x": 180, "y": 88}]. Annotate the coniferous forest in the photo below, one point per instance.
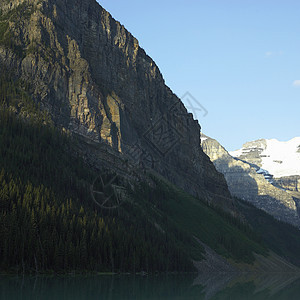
[
  {"x": 50, "y": 223},
  {"x": 48, "y": 220}
]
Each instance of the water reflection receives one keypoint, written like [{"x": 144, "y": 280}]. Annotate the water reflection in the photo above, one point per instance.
[
  {"x": 183, "y": 286},
  {"x": 250, "y": 286}
]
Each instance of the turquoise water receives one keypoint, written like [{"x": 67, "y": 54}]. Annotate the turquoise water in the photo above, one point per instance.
[{"x": 117, "y": 287}]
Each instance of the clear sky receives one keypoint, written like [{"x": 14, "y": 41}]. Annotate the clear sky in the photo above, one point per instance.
[{"x": 239, "y": 58}]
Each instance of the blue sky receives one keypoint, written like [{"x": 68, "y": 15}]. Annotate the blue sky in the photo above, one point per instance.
[{"x": 239, "y": 58}]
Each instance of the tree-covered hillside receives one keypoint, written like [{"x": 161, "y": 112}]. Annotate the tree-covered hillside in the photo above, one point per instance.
[{"x": 50, "y": 222}]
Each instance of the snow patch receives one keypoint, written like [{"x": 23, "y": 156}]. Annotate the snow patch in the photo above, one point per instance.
[
  {"x": 236, "y": 153},
  {"x": 281, "y": 158}
]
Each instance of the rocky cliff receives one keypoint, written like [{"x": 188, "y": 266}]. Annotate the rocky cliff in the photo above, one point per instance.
[
  {"x": 249, "y": 182},
  {"x": 89, "y": 73}
]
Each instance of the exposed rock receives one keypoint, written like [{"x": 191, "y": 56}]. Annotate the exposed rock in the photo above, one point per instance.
[
  {"x": 213, "y": 263},
  {"x": 291, "y": 183},
  {"x": 90, "y": 74},
  {"x": 246, "y": 181},
  {"x": 251, "y": 152}
]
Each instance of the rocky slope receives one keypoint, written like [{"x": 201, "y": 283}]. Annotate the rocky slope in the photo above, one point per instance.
[
  {"x": 249, "y": 182},
  {"x": 89, "y": 73},
  {"x": 291, "y": 183}
]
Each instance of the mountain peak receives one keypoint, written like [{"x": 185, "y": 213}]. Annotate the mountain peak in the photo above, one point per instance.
[{"x": 279, "y": 158}]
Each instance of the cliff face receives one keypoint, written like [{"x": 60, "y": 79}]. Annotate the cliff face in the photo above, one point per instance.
[
  {"x": 90, "y": 74},
  {"x": 248, "y": 182}
]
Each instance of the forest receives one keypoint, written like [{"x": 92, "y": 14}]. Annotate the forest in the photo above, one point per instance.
[{"x": 49, "y": 223}]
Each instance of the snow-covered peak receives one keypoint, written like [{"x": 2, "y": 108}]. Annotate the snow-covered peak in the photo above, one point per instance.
[{"x": 278, "y": 158}]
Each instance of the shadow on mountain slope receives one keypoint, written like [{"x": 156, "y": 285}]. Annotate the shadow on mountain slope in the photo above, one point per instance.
[{"x": 246, "y": 184}]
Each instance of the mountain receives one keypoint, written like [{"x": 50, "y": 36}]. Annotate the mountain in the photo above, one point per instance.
[
  {"x": 248, "y": 180},
  {"x": 101, "y": 167},
  {"x": 90, "y": 75},
  {"x": 280, "y": 159}
]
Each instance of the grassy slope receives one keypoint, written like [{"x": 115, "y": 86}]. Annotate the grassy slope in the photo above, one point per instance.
[
  {"x": 226, "y": 235},
  {"x": 282, "y": 238}
]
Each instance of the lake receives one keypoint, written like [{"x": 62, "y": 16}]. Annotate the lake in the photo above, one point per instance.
[{"x": 182, "y": 286}]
